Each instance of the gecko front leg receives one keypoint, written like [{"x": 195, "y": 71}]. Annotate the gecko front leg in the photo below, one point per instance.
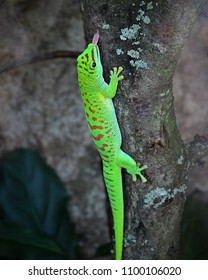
[{"x": 110, "y": 90}]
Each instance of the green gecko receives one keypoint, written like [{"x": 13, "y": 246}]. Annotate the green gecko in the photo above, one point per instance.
[{"x": 102, "y": 122}]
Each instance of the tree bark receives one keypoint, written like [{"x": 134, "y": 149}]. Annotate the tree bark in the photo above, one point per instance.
[{"x": 146, "y": 37}]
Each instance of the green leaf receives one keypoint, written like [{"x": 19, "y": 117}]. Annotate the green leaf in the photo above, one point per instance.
[{"x": 33, "y": 198}]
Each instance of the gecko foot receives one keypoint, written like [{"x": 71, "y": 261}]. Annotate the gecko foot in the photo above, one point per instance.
[
  {"x": 137, "y": 171},
  {"x": 114, "y": 74}
]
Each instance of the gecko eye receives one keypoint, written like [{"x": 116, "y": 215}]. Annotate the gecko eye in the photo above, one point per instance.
[{"x": 93, "y": 64}]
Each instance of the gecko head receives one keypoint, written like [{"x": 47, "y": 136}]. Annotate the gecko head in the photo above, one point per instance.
[{"x": 89, "y": 63}]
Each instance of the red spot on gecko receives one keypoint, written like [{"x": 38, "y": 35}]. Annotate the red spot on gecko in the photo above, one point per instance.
[
  {"x": 108, "y": 130},
  {"x": 103, "y": 147},
  {"x": 93, "y": 127},
  {"x": 110, "y": 189},
  {"x": 87, "y": 114},
  {"x": 105, "y": 160},
  {"x": 83, "y": 74},
  {"x": 110, "y": 186},
  {"x": 99, "y": 137},
  {"x": 108, "y": 179},
  {"x": 109, "y": 150},
  {"x": 93, "y": 56},
  {"x": 87, "y": 100},
  {"x": 106, "y": 156},
  {"x": 94, "y": 118},
  {"x": 107, "y": 172},
  {"x": 87, "y": 57},
  {"x": 102, "y": 121},
  {"x": 91, "y": 110}
]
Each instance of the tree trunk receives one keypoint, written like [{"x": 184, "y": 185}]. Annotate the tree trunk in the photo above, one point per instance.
[{"x": 146, "y": 37}]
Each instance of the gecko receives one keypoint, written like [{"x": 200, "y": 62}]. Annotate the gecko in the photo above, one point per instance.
[{"x": 103, "y": 125}]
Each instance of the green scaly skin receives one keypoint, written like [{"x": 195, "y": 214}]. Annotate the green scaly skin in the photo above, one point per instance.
[{"x": 102, "y": 122}]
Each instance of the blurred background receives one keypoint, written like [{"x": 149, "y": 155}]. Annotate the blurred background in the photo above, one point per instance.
[{"x": 41, "y": 111}]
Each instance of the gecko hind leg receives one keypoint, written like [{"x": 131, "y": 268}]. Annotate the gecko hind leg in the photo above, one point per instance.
[{"x": 133, "y": 168}]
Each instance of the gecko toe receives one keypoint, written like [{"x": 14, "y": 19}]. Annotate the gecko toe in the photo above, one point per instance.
[{"x": 121, "y": 77}]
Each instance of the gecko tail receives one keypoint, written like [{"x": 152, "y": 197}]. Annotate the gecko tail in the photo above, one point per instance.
[
  {"x": 118, "y": 229},
  {"x": 115, "y": 194}
]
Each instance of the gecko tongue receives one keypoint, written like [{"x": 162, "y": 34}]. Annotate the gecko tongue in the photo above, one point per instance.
[{"x": 95, "y": 38}]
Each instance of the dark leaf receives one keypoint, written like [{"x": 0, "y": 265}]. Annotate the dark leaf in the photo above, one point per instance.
[{"x": 33, "y": 197}]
